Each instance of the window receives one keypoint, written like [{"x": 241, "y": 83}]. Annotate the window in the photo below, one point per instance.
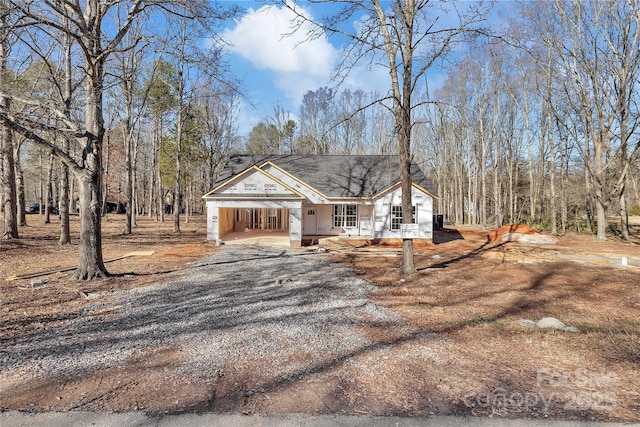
[
  {"x": 345, "y": 216},
  {"x": 338, "y": 216},
  {"x": 396, "y": 216},
  {"x": 351, "y": 216}
]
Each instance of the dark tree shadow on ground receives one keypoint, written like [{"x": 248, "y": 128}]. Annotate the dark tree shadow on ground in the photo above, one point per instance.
[
  {"x": 446, "y": 235},
  {"x": 299, "y": 321}
]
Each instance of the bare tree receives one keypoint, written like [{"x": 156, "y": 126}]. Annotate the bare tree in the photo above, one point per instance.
[
  {"x": 86, "y": 28},
  {"x": 22, "y": 217},
  {"x": 407, "y": 36},
  {"x": 586, "y": 39},
  {"x": 218, "y": 112},
  {"x": 67, "y": 101},
  {"x": 351, "y": 125},
  {"x": 132, "y": 108},
  {"x": 9, "y": 202},
  {"x": 317, "y": 121}
]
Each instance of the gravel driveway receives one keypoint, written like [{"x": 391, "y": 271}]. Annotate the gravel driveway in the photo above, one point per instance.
[{"x": 246, "y": 321}]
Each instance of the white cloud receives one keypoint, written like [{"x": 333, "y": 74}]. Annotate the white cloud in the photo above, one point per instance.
[
  {"x": 264, "y": 38},
  {"x": 281, "y": 67}
]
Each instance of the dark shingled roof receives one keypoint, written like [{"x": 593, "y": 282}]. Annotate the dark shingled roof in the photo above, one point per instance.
[{"x": 334, "y": 176}]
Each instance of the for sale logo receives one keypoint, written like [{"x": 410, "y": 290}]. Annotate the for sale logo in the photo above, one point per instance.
[
  {"x": 583, "y": 389},
  {"x": 578, "y": 390}
]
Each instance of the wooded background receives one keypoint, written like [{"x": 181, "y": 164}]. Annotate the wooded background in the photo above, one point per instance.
[{"x": 535, "y": 121}]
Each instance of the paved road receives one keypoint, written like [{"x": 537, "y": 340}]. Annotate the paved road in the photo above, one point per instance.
[{"x": 139, "y": 419}]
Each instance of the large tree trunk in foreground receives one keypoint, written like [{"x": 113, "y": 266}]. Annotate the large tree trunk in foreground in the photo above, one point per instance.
[
  {"x": 601, "y": 214},
  {"x": 90, "y": 264},
  {"x": 408, "y": 263},
  {"x": 8, "y": 180}
]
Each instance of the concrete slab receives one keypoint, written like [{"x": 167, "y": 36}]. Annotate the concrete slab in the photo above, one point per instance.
[{"x": 261, "y": 237}]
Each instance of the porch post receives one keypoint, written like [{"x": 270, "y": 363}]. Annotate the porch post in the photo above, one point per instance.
[
  {"x": 213, "y": 222},
  {"x": 295, "y": 226}
]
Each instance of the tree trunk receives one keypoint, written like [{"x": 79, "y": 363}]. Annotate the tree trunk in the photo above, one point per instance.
[
  {"x": 152, "y": 179},
  {"x": 9, "y": 201},
  {"x": 600, "y": 184},
  {"x": 552, "y": 169},
  {"x": 129, "y": 183},
  {"x": 48, "y": 198},
  {"x": 90, "y": 264},
  {"x": 404, "y": 139},
  {"x": 532, "y": 193},
  {"x": 22, "y": 216},
  {"x": 624, "y": 164},
  {"x": 624, "y": 214},
  {"x": 601, "y": 212},
  {"x": 105, "y": 177},
  {"x": 483, "y": 176},
  {"x": 408, "y": 265},
  {"x": 8, "y": 181},
  {"x": 160, "y": 186},
  {"x": 134, "y": 193},
  {"x": 65, "y": 231},
  {"x": 552, "y": 188},
  {"x": 177, "y": 194}
]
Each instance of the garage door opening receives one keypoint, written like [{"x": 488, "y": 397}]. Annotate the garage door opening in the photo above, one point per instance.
[
  {"x": 261, "y": 219},
  {"x": 254, "y": 225}
]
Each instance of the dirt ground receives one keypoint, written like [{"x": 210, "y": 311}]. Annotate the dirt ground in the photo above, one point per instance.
[{"x": 471, "y": 292}]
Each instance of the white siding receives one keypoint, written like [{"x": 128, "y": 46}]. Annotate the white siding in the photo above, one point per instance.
[
  {"x": 325, "y": 221},
  {"x": 424, "y": 214},
  {"x": 254, "y": 184},
  {"x": 212, "y": 221},
  {"x": 295, "y": 226},
  {"x": 365, "y": 220}
]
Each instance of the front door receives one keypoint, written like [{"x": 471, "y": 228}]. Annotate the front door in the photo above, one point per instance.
[{"x": 310, "y": 225}]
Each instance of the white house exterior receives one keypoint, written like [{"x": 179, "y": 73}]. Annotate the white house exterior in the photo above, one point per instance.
[{"x": 311, "y": 196}]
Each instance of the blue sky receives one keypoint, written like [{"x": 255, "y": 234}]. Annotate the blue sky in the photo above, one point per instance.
[{"x": 280, "y": 69}]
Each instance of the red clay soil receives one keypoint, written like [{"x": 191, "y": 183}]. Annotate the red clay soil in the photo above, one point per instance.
[
  {"x": 496, "y": 235},
  {"x": 474, "y": 357}
]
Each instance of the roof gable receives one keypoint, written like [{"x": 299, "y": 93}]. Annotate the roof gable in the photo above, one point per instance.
[{"x": 253, "y": 183}]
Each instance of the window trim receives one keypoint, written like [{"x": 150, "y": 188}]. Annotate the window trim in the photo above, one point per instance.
[
  {"x": 344, "y": 219},
  {"x": 396, "y": 220},
  {"x": 351, "y": 218}
]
